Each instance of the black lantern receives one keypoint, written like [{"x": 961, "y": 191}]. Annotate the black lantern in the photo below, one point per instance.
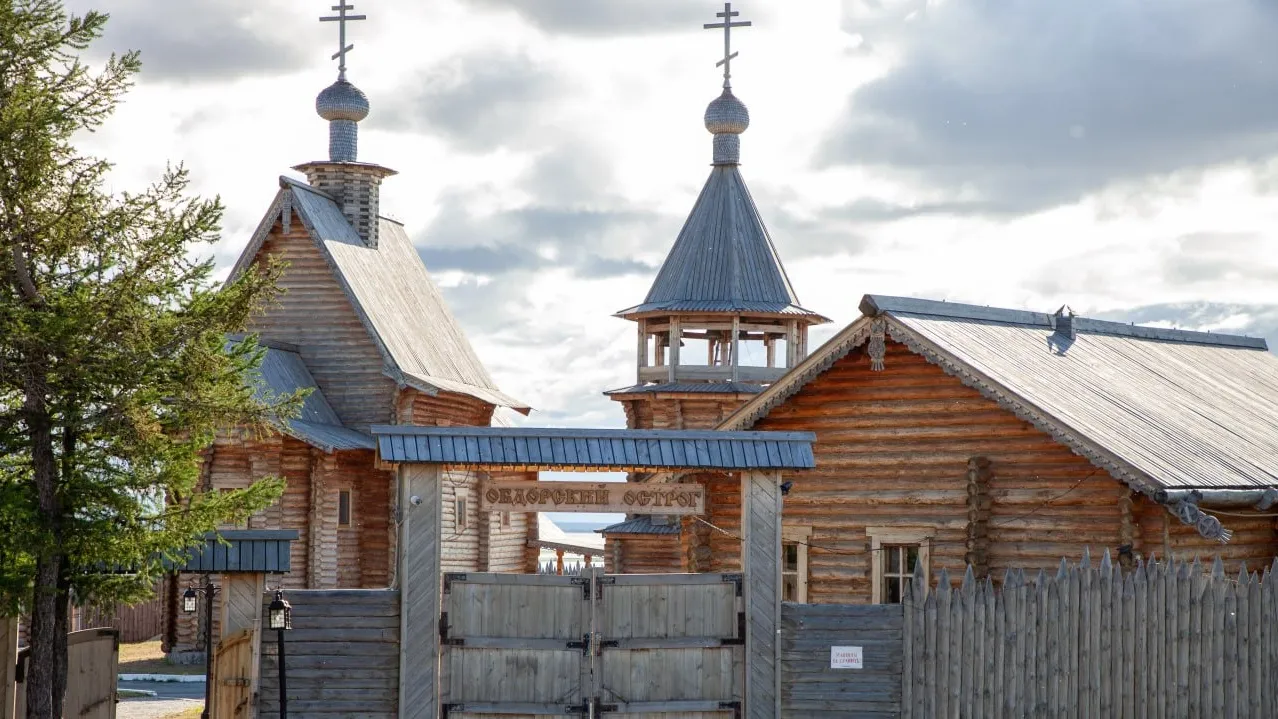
[
  {"x": 279, "y": 613},
  {"x": 189, "y": 598}
]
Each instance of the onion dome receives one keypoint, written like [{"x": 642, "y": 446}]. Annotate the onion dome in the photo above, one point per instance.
[
  {"x": 342, "y": 101},
  {"x": 727, "y": 115}
]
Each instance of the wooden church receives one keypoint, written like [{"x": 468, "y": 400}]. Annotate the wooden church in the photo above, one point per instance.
[
  {"x": 947, "y": 435},
  {"x": 361, "y": 325}
]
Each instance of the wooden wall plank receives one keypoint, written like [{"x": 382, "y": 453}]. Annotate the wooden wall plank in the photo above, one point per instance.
[
  {"x": 420, "y": 562},
  {"x": 761, "y": 561}
]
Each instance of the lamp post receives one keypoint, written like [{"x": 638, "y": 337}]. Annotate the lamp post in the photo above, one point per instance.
[
  {"x": 279, "y": 616},
  {"x": 189, "y": 606}
]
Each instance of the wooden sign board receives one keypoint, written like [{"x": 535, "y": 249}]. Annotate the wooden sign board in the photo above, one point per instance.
[{"x": 674, "y": 499}]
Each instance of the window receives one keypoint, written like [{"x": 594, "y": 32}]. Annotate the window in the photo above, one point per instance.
[
  {"x": 898, "y": 569},
  {"x": 794, "y": 563},
  {"x": 344, "y": 508},
  {"x": 460, "y": 518},
  {"x": 895, "y": 552},
  {"x": 505, "y": 520}
]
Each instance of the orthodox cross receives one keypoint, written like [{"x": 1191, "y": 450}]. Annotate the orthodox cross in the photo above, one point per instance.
[
  {"x": 727, "y": 25},
  {"x": 342, "y": 48}
]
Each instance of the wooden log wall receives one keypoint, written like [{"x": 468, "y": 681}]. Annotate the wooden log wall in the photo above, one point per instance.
[
  {"x": 314, "y": 313},
  {"x": 643, "y": 553},
  {"x": 1160, "y": 534},
  {"x": 1164, "y": 640},
  {"x": 460, "y": 539},
  {"x": 342, "y": 655},
  {"x": 893, "y": 449},
  {"x": 446, "y": 409}
]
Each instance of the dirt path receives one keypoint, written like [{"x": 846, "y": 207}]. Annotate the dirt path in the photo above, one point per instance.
[{"x": 154, "y": 708}]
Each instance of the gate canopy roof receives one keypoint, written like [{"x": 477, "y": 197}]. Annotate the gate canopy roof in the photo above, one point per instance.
[
  {"x": 229, "y": 551},
  {"x": 593, "y": 450}
]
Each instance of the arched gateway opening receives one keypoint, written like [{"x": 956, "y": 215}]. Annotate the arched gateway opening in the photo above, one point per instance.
[{"x": 687, "y": 645}]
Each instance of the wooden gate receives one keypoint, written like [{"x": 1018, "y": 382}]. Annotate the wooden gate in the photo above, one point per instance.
[
  {"x": 93, "y": 657},
  {"x": 658, "y": 645},
  {"x": 233, "y": 676}
]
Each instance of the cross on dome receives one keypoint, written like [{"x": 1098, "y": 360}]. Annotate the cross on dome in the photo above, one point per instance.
[
  {"x": 727, "y": 25},
  {"x": 341, "y": 18}
]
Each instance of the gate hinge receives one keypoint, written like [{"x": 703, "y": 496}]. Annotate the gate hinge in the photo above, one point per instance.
[
  {"x": 448, "y": 708},
  {"x": 584, "y": 583},
  {"x": 734, "y": 706},
  {"x": 599, "y": 585},
  {"x": 736, "y": 579},
  {"x": 450, "y": 577},
  {"x": 444, "y": 639}
]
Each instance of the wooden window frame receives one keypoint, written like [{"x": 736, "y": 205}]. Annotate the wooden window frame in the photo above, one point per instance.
[
  {"x": 350, "y": 507},
  {"x": 894, "y": 536},
  {"x": 801, "y": 537},
  {"x": 461, "y": 510}
]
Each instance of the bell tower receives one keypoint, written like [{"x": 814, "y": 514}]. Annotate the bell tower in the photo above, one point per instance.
[{"x": 721, "y": 321}]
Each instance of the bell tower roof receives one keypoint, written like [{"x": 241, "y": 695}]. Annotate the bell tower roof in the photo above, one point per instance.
[{"x": 723, "y": 260}]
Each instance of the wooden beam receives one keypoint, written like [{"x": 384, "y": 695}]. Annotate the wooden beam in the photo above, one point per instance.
[
  {"x": 559, "y": 562},
  {"x": 791, "y": 343},
  {"x": 642, "y": 360},
  {"x": 8, "y": 663},
  {"x": 674, "y": 347},
  {"x": 761, "y": 562},
  {"x": 421, "y": 497},
  {"x": 736, "y": 348}
]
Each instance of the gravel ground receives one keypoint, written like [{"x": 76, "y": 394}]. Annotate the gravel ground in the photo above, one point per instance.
[{"x": 153, "y": 708}]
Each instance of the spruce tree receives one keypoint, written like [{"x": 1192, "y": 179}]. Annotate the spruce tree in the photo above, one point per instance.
[{"x": 115, "y": 371}]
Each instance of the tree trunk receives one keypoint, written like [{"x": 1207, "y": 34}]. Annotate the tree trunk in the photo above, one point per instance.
[
  {"x": 60, "y": 631},
  {"x": 41, "y": 663},
  {"x": 45, "y": 646}
]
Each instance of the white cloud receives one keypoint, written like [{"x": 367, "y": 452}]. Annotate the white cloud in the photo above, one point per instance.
[{"x": 555, "y": 171}]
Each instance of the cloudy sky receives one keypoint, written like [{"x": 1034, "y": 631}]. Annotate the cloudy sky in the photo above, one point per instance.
[{"x": 1120, "y": 156}]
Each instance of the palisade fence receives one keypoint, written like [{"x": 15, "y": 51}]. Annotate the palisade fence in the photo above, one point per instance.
[{"x": 1161, "y": 640}]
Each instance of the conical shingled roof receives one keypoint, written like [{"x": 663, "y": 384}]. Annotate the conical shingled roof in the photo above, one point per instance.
[{"x": 723, "y": 260}]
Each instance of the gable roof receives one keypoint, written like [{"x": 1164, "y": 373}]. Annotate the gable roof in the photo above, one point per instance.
[
  {"x": 283, "y": 372},
  {"x": 723, "y": 259},
  {"x": 1160, "y": 409},
  {"x": 420, "y": 341}
]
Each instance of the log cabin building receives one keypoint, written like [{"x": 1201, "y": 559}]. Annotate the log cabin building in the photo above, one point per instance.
[
  {"x": 951, "y": 435},
  {"x": 359, "y": 324},
  {"x": 947, "y": 434}
]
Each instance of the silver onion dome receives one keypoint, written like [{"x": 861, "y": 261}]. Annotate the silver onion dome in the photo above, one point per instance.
[
  {"x": 727, "y": 115},
  {"x": 342, "y": 101}
]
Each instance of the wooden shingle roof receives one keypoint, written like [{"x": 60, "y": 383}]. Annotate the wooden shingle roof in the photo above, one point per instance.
[
  {"x": 723, "y": 260},
  {"x": 421, "y": 343},
  {"x": 1160, "y": 409}
]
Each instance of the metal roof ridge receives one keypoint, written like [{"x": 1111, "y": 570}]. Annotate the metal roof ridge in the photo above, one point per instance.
[{"x": 874, "y": 305}]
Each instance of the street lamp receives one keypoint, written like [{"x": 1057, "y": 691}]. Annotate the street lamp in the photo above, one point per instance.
[
  {"x": 279, "y": 616},
  {"x": 189, "y": 606}
]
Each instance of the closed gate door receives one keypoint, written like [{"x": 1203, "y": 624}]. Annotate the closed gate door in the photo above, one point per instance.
[{"x": 659, "y": 646}]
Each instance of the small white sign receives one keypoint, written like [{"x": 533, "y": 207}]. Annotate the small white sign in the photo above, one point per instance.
[{"x": 845, "y": 657}]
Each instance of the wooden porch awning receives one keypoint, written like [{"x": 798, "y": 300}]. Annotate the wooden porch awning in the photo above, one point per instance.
[
  {"x": 593, "y": 450},
  {"x": 261, "y": 551}
]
